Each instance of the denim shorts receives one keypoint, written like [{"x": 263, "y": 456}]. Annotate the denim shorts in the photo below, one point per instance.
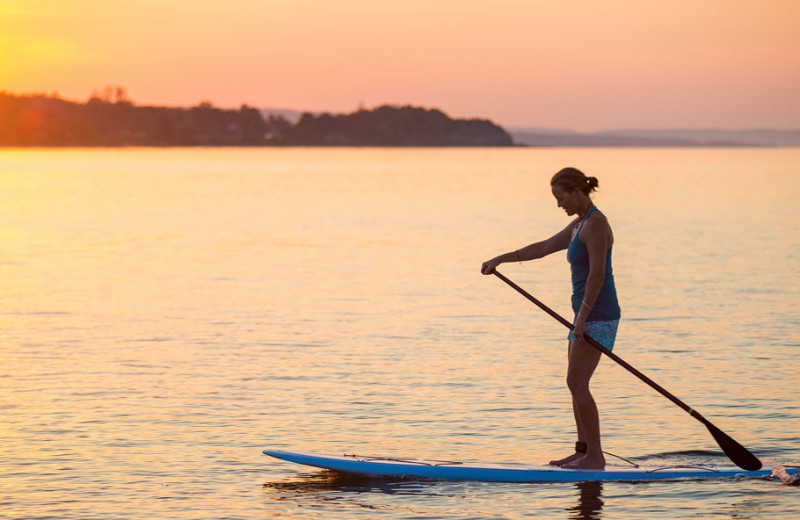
[{"x": 604, "y": 332}]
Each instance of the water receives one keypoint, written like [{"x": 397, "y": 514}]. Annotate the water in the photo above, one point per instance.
[{"x": 169, "y": 313}]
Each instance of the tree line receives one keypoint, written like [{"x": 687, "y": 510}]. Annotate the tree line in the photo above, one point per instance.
[{"x": 111, "y": 119}]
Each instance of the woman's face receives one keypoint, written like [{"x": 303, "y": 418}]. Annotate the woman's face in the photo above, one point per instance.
[{"x": 570, "y": 201}]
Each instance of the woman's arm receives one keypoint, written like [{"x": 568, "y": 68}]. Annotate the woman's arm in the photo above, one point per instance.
[{"x": 557, "y": 242}]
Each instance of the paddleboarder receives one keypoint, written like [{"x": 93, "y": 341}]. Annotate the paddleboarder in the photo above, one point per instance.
[{"x": 588, "y": 240}]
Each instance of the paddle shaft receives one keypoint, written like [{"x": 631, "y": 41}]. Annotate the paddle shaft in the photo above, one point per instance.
[
  {"x": 738, "y": 454},
  {"x": 603, "y": 349}
]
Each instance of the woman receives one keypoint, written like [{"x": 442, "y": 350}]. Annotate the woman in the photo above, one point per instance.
[{"x": 588, "y": 240}]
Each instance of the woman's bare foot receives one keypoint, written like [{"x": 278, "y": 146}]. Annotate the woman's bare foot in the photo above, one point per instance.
[
  {"x": 566, "y": 460},
  {"x": 586, "y": 462}
]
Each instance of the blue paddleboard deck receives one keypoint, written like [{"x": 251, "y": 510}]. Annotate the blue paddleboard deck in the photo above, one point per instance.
[{"x": 452, "y": 470}]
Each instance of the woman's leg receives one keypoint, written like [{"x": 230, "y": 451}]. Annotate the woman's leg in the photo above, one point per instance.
[
  {"x": 583, "y": 359},
  {"x": 581, "y": 433}
]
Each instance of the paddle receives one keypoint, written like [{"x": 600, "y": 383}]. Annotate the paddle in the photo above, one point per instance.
[{"x": 735, "y": 451}]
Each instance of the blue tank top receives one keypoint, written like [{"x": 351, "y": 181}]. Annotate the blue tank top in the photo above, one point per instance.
[{"x": 606, "y": 307}]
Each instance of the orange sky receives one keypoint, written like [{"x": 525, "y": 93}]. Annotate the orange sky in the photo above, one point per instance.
[{"x": 585, "y": 65}]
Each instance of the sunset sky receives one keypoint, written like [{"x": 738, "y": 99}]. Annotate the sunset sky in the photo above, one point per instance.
[{"x": 580, "y": 64}]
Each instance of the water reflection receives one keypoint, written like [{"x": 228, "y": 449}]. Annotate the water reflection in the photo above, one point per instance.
[
  {"x": 590, "y": 502},
  {"x": 344, "y": 495},
  {"x": 214, "y": 330},
  {"x": 334, "y": 481},
  {"x": 323, "y": 487}
]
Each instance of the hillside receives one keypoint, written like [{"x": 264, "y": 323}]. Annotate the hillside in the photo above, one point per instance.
[
  {"x": 394, "y": 126},
  {"x": 49, "y": 121}
]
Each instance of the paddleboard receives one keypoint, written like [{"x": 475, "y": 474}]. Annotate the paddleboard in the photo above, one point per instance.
[{"x": 511, "y": 472}]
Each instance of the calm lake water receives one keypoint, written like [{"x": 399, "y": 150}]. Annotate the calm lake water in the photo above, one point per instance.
[{"x": 169, "y": 313}]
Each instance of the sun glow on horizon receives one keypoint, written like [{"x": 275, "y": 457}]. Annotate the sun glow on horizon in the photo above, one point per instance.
[{"x": 573, "y": 64}]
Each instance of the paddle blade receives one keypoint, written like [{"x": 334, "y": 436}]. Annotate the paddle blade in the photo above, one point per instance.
[{"x": 740, "y": 455}]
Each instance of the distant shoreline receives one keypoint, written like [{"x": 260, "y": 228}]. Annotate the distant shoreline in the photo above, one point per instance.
[
  {"x": 711, "y": 138},
  {"x": 114, "y": 121},
  {"x": 28, "y": 121},
  {"x": 634, "y": 138}
]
